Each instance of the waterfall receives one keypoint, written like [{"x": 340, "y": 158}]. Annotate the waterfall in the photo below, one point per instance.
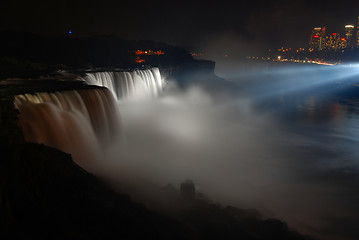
[
  {"x": 84, "y": 122},
  {"x": 80, "y": 122},
  {"x": 137, "y": 84}
]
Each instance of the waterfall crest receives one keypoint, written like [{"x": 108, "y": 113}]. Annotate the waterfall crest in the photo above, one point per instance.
[
  {"x": 137, "y": 84},
  {"x": 80, "y": 122}
]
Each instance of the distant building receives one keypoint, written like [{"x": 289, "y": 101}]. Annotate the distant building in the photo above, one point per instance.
[
  {"x": 334, "y": 42},
  {"x": 343, "y": 43},
  {"x": 349, "y": 29},
  {"x": 316, "y": 38},
  {"x": 358, "y": 33}
]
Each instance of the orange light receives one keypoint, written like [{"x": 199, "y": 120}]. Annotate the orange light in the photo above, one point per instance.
[
  {"x": 140, "y": 60},
  {"x": 149, "y": 52}
]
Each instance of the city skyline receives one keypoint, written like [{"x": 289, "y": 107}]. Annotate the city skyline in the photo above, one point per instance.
[{"x": 321, "y": 39}]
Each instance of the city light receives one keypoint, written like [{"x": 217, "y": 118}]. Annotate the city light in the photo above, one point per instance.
[
  {"x": 320, "y": 41},
  {"x": 140, "y": 60},
  {"x": 139, "y": 53},
  {"x": 149, "y": 52}
]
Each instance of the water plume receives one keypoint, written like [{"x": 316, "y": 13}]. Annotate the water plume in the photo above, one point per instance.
[{"x": 237, "y": 155}]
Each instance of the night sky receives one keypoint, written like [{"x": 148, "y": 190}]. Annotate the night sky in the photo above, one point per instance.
[{"x": 195, "y": 23}]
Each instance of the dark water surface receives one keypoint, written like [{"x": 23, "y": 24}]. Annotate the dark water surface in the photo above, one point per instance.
[{"x": 317, "y": 109}]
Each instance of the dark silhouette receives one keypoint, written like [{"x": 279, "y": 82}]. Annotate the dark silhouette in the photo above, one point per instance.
[
  {"x": 24, "y": 55},
  {"x": 188, "y": 190}
]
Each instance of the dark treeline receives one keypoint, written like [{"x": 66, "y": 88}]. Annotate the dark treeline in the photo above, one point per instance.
[{"x": 24, "y": 55}]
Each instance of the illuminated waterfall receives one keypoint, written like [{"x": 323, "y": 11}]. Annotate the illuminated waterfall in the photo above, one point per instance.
[
  {"x": 80, "y": 122},
  {"x": 84, "y": 122},
  {"x": 137, "y": 84}
]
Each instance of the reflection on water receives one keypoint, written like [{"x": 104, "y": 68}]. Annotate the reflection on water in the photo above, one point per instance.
[
  {"x": 323, "y": 134},
  {"x": 331, "y": 119},
  {"x": 331, "y": 113}
]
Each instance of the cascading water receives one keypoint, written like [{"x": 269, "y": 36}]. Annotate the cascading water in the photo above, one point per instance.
[
  {"x": 84, "y": 122},
  {"x": 80, "y": 122},
  {"x": 137, "y": 84}
]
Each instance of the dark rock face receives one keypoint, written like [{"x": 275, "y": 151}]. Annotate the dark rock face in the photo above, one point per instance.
[{"x": 46, "y": 195}]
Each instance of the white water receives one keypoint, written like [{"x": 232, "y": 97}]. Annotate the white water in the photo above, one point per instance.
[
  {"x": 80, "y": 122},
  {"x": 85, "y": 123},
  {"x": 138, "y": 84}
]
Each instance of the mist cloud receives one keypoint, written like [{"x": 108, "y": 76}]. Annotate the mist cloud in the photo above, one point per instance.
[{"x": 234, "y": 154}]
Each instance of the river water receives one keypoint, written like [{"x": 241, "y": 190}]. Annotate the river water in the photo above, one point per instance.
[{"x": 316, "y": 109}]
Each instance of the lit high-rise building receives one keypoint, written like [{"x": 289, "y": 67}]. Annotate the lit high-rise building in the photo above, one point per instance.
[
  {"x": 349, "y": 29},
  {"x": 343, "y": 43},
  {"x": 334, "y": 42},
  {"x": 316, "y": 38}
]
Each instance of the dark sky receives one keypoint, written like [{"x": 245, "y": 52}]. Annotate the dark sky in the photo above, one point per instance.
[{"x": 260, "y": 24}]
